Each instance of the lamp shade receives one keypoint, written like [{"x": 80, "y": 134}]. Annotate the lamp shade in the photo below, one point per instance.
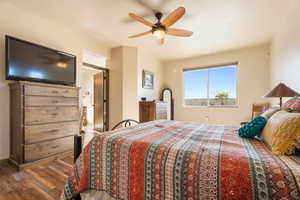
[{"x": 281, "y": 90}]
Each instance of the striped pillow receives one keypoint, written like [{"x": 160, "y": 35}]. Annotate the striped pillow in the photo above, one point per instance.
[{"x": 292, "y": 104}]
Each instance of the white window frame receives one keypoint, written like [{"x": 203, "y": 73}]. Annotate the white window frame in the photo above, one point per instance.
[{"x": 208, "y": 81}]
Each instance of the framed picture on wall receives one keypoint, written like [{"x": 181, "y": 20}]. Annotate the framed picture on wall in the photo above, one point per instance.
[{"x": 148, "y": 79}]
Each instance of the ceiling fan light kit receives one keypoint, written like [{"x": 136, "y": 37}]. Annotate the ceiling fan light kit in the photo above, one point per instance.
[
  {"x": 160, "y": 34},
  {"x": 160, "y": 29}
]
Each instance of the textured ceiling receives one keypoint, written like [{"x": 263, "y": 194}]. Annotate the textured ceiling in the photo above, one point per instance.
[{"x": 218, "y": 25}]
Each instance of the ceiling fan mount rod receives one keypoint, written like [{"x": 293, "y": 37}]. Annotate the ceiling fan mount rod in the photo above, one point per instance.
[{"x": 158, "y": 15}]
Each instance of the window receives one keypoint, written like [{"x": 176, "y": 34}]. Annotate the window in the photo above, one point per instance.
[{"x": 213, "y": 86}]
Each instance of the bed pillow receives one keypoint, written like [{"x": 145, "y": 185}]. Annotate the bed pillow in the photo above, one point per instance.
[
  {"x": 292, "y": 104},
  {"x": 270, "y": 112},
  {"x": 253, "y": 128},
  {"x": 282, "y": 132}
]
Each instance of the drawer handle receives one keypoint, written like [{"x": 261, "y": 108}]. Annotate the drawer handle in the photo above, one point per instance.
[
  {"x": 54, "y": 92},
  {"x": 54, "y": 131},
  {"x": 54, "y": 114},
  {"x": 66, "y": 91},
  {"x": 54, "y": 101},
  {"x": 54, "y": 147}
]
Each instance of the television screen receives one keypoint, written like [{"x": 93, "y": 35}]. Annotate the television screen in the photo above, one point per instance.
[{"x": 32, "y": 62}]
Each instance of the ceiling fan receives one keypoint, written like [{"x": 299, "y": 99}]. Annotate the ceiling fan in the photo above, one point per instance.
[{"x": 161, "y": 28}]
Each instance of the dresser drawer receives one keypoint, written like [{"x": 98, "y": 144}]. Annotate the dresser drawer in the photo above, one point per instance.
[
  {"x": 38, "y": 133},
  {"x": 44, "y": 149},
  {"x": 50, "y": 91},
  {"x": 49, "y": 101},
  {"x": 161, "y": 110},
  {"x": 39, "y": 115},
  {"x": 162, "y": 114}
]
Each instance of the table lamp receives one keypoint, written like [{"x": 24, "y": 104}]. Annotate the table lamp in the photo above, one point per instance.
[{"x": 281, "y": 90}]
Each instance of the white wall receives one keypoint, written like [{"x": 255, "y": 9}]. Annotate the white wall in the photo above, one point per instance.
[
  {"x": 285, "y": 65},
  {"x": 115, "y": 86},
  {"x": 253, "y": 83},
  {"x": 18, "y": 22},
  {"x": 130, "y": 87},
  {"x": 148, "y": 62},
  {"x": 123, "y": 84},
  {"x": 126, "y": 66}
]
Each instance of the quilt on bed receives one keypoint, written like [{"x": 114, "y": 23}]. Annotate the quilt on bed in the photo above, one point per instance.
[{"x": 182, "y": 160}]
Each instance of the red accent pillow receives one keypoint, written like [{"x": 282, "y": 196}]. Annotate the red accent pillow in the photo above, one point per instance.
[{"x": 292, "y": 104}]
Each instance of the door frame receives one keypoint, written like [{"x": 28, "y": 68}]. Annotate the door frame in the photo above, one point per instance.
[{"x": 106, "y": 101}]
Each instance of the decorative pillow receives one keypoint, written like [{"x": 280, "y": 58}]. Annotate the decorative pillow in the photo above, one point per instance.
[
  {"x": 282, "y": 132},
  {"x": 293, "y": 111},
  {"x": 270, "y": 112},
  {"x": 253, "y": 128},
  {"x": 292, "y": 104}
]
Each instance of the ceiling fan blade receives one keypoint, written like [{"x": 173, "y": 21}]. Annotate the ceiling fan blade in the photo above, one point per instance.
[
  {"x": 140, "y": 19},
  {"x": 179, "y": 32},
  {"x": 140, "y": 34},
  {"x": 173, "y": 17},
  {"x": 144, "y": 15}
]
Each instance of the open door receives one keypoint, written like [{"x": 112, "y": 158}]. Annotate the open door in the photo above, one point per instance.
[
  {"x": 99, "y": 101},
  {"x": 95, "y": 97}
]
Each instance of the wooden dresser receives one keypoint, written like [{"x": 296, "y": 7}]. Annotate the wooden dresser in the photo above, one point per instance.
[
  {"x": 43, "y": 120},
  {"x": 152, "y": 110}
]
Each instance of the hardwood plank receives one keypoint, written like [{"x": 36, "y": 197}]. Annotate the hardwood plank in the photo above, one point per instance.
[
  {"x": 64, "y": 163},
  {"x": 65, "y": 169},
  {"x": 11, "y": 196},
  {"x": 43, "y": 193},
  {"x": 52, "y": 177},
  {"x": 31, "y": 194},
  {"x": 45, "y": 160},
  {"x": 59, "y": 172},
  {"x": 52, "y": 192},
  {"x": 56, "y": 181},
  {"x": 67, "y": 159},
  {"x": 40, "y": 179}
]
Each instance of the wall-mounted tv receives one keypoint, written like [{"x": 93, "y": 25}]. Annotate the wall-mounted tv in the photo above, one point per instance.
[{"x": 32, "y": 62}]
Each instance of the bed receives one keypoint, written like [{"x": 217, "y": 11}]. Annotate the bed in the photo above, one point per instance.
[{"x": 181, "y": 161}]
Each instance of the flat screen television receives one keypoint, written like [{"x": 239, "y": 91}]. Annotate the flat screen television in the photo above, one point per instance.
[{"x": 32, "y": 62}]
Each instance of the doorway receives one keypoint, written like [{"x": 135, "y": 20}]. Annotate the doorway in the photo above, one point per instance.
[{"x": 95, "y": 84}]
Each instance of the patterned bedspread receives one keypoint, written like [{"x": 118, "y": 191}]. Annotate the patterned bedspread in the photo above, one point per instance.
[{"x": 182, "y": 161}]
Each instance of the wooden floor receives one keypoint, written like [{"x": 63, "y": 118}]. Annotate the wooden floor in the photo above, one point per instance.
[{"x": 39, "y": 182}]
